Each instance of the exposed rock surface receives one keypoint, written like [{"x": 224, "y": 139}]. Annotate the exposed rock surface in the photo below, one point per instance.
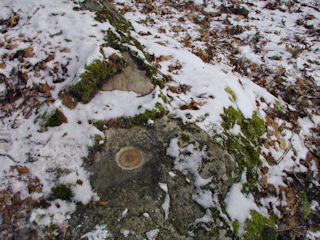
[
  {"x": 127, "y": 195},
  {"x": 131, "y": 79}
]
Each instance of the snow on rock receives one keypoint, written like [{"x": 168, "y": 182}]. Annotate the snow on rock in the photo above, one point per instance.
[
  {"x": 188, "y": 160},
  {"x": 100, "y": 233},
  {"x": 207, "y": 218},
  {"x": 152, "y": 234},
  {"x": 166, "y": 204},
  {"x": 239, "y": 205}
]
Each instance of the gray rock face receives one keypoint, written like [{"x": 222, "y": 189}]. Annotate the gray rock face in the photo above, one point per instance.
[
  {"x": 132, "y": 199},
  {"x": 131, "y": 79}
]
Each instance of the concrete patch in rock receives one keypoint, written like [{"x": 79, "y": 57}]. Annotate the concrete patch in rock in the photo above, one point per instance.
[{"x": 129, "y": 158}]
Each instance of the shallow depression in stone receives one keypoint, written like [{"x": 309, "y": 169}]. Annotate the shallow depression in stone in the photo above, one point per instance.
[{"x": 129, "y": 158}]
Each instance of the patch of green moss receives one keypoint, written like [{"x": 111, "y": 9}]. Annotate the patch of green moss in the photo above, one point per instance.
[
  {"x": 244, "y": 146},
  {"x": 252, "y": 128},
  {"x": 158, "y": 112},
  {"x": 99, "y": 142},
  {"x": 246, "y": 155},
  {"x": 185, "y": 138},
  {"x": 56, "y": 118},
  {"x": 231, "y": 117},
  {"x": 305, "y": 205},
  {"x": 163, "y": 97},
  {"x": 231, "y": 93},
  {"x": 151, "y": 70},
  {"x": 160, "y": 83},
  {"x": 100, "y": 124},
  {"x": 235, "y": 226},
  {"x": 278, "y": 106},
  {"x": 62, "y": 192},
  {"x": 96, "y": 74},
  {"x": 188, "y": 116},
  {"x": 260, "y": 227}
]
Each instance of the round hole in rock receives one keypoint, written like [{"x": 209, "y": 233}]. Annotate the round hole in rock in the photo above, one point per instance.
[{"x": 129, "y": 158}]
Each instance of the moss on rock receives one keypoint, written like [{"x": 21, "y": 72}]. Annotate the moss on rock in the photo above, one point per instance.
[
  {"x": 122, "y": 42},
  {"x": 260, "y": 227},
  {"x": 97, "y": 73},
  {"x": 105, "y": 11},
  {"x": 56, "y": 118},
  {"x": 158, "y": 112},
  {"x": 252, "y": 128},
  {"x": 244, "y": 146}
]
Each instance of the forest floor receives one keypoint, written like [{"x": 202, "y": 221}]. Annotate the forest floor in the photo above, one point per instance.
[{"x": 245, "y": 72}]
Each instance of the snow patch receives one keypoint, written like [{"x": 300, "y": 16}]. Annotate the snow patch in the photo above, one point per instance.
[{"x": 100, "y": 233}]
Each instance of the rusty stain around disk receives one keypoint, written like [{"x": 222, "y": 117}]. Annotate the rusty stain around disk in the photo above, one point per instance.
[{"x": 129, "y": 158}]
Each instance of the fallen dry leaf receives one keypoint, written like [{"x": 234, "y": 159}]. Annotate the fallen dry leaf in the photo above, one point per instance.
[
  {"x": 103, "y": 203},
  {"x": 282, "y": 144},
  {"x": 28, "y": 52},
  {"x": 161, "y": 43},
  {"x": 13, "y": 21},
  {"x": 3, "y": 65}
]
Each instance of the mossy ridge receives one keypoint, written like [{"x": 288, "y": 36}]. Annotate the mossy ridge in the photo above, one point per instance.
[
  {"x": 56, "y": 118},
  {"x": 105, "y": 11},
  {"x": 120, "y": 41},
  {"x": 260, "y": 227},
  {"x": 108, "y": 13},
  {"x": 158, "y": 112},
  {"x": 96, "y": 74}
]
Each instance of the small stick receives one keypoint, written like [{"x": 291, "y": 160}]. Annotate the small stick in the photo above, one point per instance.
[
  {"x": 285, "y": 153},
  {"x": 8, "y": 156}
]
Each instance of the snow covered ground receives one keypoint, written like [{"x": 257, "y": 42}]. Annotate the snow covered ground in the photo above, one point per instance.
[{"x": 255, "y": 61}]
